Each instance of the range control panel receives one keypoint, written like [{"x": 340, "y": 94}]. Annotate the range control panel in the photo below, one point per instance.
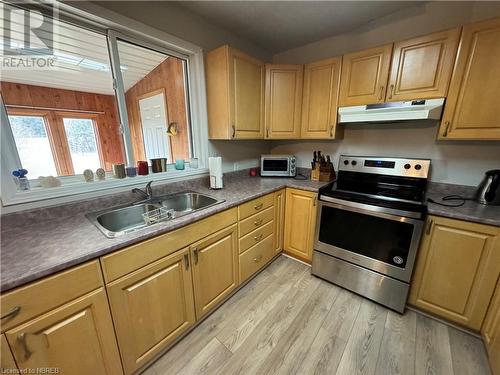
[{"x": 389, "y": 166}]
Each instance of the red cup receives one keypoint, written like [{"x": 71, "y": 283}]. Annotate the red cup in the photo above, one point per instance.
[{"x": 142, "y": 168}]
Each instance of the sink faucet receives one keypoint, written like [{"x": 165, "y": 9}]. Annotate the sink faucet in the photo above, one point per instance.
[{"x": 146, "y": 194}]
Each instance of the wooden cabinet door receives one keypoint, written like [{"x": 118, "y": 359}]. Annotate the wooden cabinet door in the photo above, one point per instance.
[
  {"x": 283, "y": 101},
  {"x": 457, "y": 268},
  {"x": 151, "y": 307},
  {"x": 491, "y": 331},
  {"x": 7, "y": 363},
  {"x": 319, "y": 105},
  {"x": 246, "y": 77},
  {"x": 279, "y": 220},
  {"x": 300, "y": 222},
  {"x": 364, "y": 76},
  {"x": 471, "y": 110},
  {"x": 76, "y": 338},
  {"x": 421, "y": 67},
  {"x": 215, "y": 269}
]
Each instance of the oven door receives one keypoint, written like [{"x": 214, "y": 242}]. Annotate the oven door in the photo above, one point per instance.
[
  {"x": 365, "y": 235},
  {"x": 275, "y": 167}
]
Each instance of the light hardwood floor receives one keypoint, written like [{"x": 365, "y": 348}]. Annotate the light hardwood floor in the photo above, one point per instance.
[{"x": 286, "y": 321}]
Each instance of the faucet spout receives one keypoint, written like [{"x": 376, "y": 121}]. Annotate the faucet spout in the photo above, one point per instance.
[{"x": 145, "y": 194}]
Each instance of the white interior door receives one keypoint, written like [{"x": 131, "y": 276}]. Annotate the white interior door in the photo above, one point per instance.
[{"x": 154, "y": 126}]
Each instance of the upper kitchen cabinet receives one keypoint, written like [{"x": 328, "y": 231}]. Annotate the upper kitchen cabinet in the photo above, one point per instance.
[
  {"x": 235, "y": 94},
  {"x": 283, "y": 101},
  {"x": 472, "y": 107},
  {"x": 421, "y": 67},
  {"x": 364, "y": 76},
  {"x": 319, "y": 104}
]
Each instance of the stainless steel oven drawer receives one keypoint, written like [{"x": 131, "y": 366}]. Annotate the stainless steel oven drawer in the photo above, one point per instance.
[{"x": 382, "y": 289}]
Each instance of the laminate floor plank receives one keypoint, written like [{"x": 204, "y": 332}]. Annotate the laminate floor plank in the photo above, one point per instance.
[
  {"x": 397, "y": 350},
  {"x": 323, "y": 356},
  {"x": 468, "y": 354},
  {"x": 269, "y": 331},
  {"x": 433, "y": 352},
  {"x": 286, "y": 321},
  {"x": 287, "y": 356},
  {"x": 362, "y": 349}
]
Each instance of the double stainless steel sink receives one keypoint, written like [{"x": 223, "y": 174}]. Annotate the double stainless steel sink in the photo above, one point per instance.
[{"x": 127, "y": 218}]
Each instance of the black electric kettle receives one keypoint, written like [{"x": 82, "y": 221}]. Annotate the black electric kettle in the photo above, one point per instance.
[{"x": 488, "y": 191}]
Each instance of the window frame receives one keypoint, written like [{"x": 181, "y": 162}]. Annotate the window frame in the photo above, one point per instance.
[{"x": 74, "y": 187}]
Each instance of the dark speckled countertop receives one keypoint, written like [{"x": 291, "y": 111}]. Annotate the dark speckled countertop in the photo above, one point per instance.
[{"x": 40, "y": 242}]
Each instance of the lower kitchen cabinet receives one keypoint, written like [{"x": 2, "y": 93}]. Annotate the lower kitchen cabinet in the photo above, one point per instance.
[
  {"x": 215, "y": 268},
  {"x": 76, "y": 338},
  {"x": 151, "y": 307},
  {"x": 491, "y": 331},
  {"x": 279, "y": 220},
  {"x": 300, "y": 222},
  {"x": 7, "y": 363},
  {"x": 457, "y": 269}
]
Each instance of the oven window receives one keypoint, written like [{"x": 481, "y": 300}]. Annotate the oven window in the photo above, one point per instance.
[
  {"x": 276, "y": 165},
  {"x": 378, "y": 238}
]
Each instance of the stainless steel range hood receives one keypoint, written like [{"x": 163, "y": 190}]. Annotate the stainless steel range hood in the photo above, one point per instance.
[{"x": 429, "y": 109}]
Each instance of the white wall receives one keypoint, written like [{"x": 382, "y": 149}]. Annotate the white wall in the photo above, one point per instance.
[
  {"x": 452, "y": 162},
  {"x": 237, "y": 155},
  {"x": 459, "y": 162}
]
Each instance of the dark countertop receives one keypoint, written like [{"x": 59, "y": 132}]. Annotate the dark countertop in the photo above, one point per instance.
[
  {"x": 470, "y": 211},
  {"x": 41, "y": 242}
]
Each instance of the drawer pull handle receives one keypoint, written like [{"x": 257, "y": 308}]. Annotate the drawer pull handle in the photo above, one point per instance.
[
  {"x": 12, "y": 313},
  {"x": 429, "y": 227},
  {"x": 257, "y": 259},
  {"x": 195, "y": 252},
  {"x": 186, "y": 261},
  {"x": 21, "y": 339},
  {"x": 257, "y": 222},
  {"x": 258, "y": 206},
  {"x": 258, "y": 238}
]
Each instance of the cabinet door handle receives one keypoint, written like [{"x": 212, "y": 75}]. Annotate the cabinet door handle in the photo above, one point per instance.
[
  {"x": 314, "y": 201},
  {"x": 331, "y": 131},
  {"x": 21, "y": 339},
  {"x": 267, "y": 132},
  {"x": 186, "y": 261},
  {"x": 234, "y": 131},
  {"x": 391, "y": 91},
  {"x": 381, "y": 93},
  {"x": 257, "y": 259},
  {"x": 195, "y": 252},
  {"x": 12, "y": 313},
  {"x": 258, "y": 238},
  {"x": 257, "y": 222},
  {"x": 429, "y": 227},
  {"x": 258, "y": 206},
  {"x": 446, "y": 129}
]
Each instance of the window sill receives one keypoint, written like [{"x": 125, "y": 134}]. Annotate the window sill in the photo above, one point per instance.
[{"x": 75, "y": 186}]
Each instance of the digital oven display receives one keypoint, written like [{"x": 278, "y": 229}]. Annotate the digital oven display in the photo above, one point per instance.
[{"x": 380, "y": 163}]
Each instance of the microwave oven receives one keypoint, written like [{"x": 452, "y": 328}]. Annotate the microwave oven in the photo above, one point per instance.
[{"x": 277, "y": 166}]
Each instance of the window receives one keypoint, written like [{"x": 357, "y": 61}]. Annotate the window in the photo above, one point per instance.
[
  {"x": 110, "y": 98},
  {"x": 33, "y": 144},
  {"x": 82, "y": 143}
]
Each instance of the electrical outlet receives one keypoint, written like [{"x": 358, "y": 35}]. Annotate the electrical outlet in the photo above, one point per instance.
[{"x": 236, "y": 166}]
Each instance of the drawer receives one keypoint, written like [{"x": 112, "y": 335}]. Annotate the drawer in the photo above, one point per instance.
[
  {"x": 41, "y": 296},
  {"x": 256, "y": 236},
  {"x": 248, "y": 209},
  {"x": 132, "y": 258},
  {"x": 256, "y": 221},
  {"x": 255, "y": 258}
]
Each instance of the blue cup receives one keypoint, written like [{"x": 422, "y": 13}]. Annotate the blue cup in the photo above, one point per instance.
[{"x": 179, "y": 164}]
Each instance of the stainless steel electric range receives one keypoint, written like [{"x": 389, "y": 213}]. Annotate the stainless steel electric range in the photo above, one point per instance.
[{"x": 369, "y": 226}]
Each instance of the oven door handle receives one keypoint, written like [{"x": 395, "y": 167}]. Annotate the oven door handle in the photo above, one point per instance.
[{"x": 368, "y": 210}]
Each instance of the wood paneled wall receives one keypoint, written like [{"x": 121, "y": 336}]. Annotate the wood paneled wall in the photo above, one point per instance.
[
  {"x": 58, "y": 99},
  {"x": 169, "y": 76}
]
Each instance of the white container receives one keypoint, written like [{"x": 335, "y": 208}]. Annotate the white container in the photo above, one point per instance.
[{"x": 215, "y": 171}]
